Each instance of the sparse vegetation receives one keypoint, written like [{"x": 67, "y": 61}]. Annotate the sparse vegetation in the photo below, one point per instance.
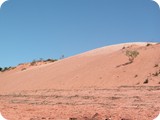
[
  {"x": 50, "y": 60},
  {"x": 148, "y": 44},
  {"x": 5, "y": 69},
  {"x": 33, "y": 62},
  {"x": 132, "y": 55}
]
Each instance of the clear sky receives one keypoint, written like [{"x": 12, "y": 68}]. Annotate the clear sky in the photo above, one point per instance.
[{"x": 33, "y": 29}]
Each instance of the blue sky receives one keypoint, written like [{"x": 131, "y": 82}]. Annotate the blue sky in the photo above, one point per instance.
[{"x": 33, "y": 29}]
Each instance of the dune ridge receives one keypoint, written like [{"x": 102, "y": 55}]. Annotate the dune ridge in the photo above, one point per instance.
[
  {"x": 99, "y": 68},
  {"x": 101, "y": 84}
]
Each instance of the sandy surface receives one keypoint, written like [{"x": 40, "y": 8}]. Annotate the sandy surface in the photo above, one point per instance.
[
  {"x": 97, "y": 85},
  {"x": 120, "y": 103}
]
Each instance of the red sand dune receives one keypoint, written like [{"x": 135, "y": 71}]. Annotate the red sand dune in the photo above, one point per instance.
[
  {"x": 96, "y": 68},
  {"x": 96, "y": 85}
]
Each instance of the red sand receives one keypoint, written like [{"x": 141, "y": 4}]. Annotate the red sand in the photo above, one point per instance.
[{"x": 99, "y": 81}]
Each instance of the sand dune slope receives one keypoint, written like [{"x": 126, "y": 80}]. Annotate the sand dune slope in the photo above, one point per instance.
[{"x": 99, "y": 68}]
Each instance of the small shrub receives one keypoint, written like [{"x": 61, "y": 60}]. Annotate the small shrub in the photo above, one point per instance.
[
  {"x": 132, "y": 55},
  {"x": 33, "y": 62},
  {"x": 50, "y": 60},
  {"x": 148, "y": 44},
  {"x": 12, "y": 68},
  {"x": 5, "y": 68}
]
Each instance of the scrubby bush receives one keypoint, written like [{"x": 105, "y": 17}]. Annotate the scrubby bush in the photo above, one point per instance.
[
  {"x": 50, "y": 60},
  {"x": 5, "y": 69},
  {"x": 148, "y": 44},
  {"x": 1, "y": 69},
  {"x": 33, "y": 62},
  {"x": 132, "y": 55}
]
